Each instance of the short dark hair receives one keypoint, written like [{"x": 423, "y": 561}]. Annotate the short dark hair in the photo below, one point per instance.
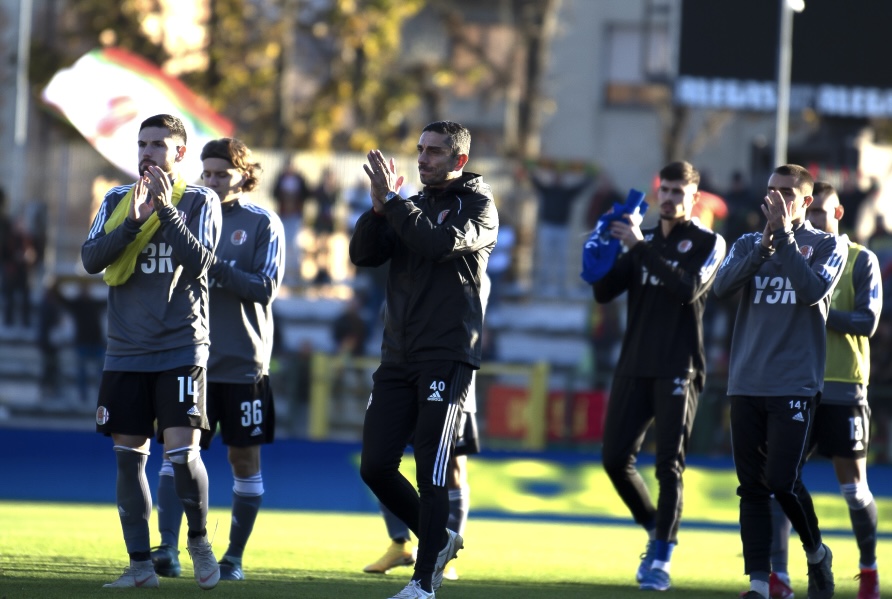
[
  {"x": 167, "y": 121},
  {"x": 680, "y": 170},
  {"x": 235, "y": 152},
  {"x": 823, "y": 188},
  {"x": 804, "y": 181},
  {"x": 458, "y": 137}
]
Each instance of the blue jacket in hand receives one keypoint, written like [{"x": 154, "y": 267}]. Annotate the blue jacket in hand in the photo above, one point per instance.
[{"x": 601, "y": 249}]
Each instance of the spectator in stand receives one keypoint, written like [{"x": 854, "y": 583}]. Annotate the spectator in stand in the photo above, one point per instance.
[
  {"x": 867, "y": 205},
  {"x": 557, "y": 194},
  {"x": 358, "y": 199},
  {"x": 500, "y": 260},
  {"x": 880, "y": 243},
  {"x": 49, "y": 317},
  {"x": 327, "y": 196},
  {"x": 87, "y": 312},
  {"x": 743, "y": 216},
  {"x": 290, "y": 192},
  {"x": 349, "y": 330},
  {"x": 36, "y": 217},
  {"x": 881, "y": 358},
  {"x": 603, "y": 197},
  {"x": 17, "y": 260}
]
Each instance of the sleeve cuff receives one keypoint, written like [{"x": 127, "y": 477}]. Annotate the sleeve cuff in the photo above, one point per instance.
[
  {"x": 166, "y": 213},
  {"x": 132, "y": 227},
  {"x": 765, "y": 252}
]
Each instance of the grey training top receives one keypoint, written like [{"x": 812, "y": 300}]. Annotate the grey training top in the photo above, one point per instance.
[
  {"x": 158, "y": 319},
  {"x": 778, "y": 347},
  {"x": 245, "y": 277}
]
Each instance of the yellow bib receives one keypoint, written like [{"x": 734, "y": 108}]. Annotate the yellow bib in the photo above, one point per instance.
[{"x": 120, "y": 270}]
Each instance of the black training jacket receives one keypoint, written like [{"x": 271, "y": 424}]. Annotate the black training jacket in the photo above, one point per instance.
[
  {"x": 438, "y": 243},
  {"x": 668, "y": 279}
]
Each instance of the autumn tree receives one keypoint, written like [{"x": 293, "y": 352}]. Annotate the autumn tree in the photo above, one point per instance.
[
  {"x": 511, "y": 69},
  {"x": 362, "y": 97},
  {"x": 323, "y": 75}
]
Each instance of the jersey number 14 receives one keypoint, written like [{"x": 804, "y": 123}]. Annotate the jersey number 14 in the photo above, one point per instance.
[{"x": 187, "y": 387}]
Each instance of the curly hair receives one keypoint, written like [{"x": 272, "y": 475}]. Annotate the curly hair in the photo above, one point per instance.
[{"x": 238, "y": 155}]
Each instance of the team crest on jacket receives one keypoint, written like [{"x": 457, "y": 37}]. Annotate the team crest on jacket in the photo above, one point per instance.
[
  {"x": 442, "y": 216},
  {"x": 806, "y": 251},
  {"x": 183, "y": 216},
  {"x": 685, "y": 245},
  {"x": 238, "y": 237}
]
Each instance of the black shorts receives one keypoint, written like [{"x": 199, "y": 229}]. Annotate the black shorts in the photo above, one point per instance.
[
  {"x": 246, "y": 414},
  {"x": 130, "y": 402},
  {"x": 841, "y": 431},
  {"x": 468, "y": 442}
]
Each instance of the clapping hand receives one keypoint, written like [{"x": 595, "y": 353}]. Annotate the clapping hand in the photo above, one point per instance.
[
  {"x": 383, "y": 177},
  {"x": 140, "y": 203},
  {"x": 778, "y": 211},
  {"x": 159, "y": 186}
]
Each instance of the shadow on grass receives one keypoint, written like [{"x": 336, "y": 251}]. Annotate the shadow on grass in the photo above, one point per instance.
[{"x": 17, "y": 582}]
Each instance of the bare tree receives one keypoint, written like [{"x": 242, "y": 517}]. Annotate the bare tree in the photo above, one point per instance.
[{"x": 518, "y": 81}]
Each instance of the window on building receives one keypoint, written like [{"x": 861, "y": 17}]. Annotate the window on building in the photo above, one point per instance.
[{"x": 638, "y": 63}]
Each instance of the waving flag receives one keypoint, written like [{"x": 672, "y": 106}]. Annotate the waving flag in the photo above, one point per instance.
[{"x": 108, "y": 92}]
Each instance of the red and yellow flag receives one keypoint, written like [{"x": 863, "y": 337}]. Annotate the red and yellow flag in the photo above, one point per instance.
[{"x": 108, "y": 92}]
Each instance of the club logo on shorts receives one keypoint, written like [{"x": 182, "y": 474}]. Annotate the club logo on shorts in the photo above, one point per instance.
[
  {"x": 238, "y": 237},
  {"x": 806, "y": 251},
  {"x": 685, "y": 245},
  {"x": 193, "y": 411},
  {"x": 101, "y": 415},
  {"x": 442, "y": 216}
]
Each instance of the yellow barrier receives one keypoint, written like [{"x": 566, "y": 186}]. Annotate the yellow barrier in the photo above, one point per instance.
[{"x": 324, "y": 367}]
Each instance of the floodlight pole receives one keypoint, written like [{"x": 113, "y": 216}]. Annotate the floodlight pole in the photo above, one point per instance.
[
  {"x": 784, "y": 60},
  {"x": 18, "y": 180}
]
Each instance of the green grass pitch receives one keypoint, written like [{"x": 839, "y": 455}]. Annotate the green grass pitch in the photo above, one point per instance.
[{"x": 56, "y": 550}]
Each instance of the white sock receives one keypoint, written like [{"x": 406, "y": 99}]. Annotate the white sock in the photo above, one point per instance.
[
  {"x": 817, "y": 556},
  {"x": 664, "y": 566},
  {"x": 760, "y": 587}
]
